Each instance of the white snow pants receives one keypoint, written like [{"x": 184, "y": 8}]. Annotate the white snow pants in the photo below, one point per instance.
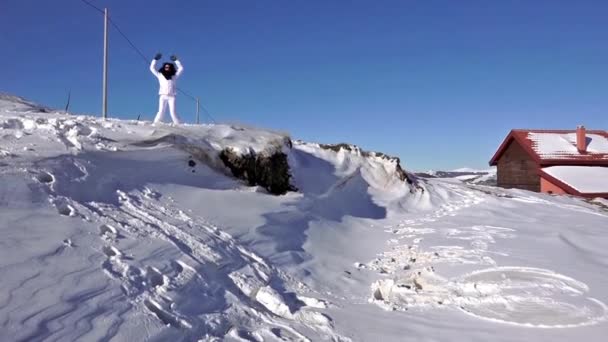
[{"x": 163, "y": 100}]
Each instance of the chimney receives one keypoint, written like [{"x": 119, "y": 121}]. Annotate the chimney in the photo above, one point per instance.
[{"x": 581, "y": 139}]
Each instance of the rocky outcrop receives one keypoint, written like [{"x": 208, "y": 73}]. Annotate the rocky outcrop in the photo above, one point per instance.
[
  {"x": 404, "y": 176},
  {"x": 268, "y": 170}
]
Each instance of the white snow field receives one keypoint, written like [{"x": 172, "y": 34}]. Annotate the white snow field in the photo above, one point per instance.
[{"x": 108, "y": 233}]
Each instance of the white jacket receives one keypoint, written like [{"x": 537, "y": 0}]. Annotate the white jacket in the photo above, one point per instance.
[{"x": 167, "y": 87}]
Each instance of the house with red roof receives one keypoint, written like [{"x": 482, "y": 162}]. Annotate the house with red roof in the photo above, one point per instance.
[{"x": 571, "y": 162}]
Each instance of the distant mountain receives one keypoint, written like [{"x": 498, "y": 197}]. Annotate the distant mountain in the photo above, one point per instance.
[{"x": 467, "y": 175}]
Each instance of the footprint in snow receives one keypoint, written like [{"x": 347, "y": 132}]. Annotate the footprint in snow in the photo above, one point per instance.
[
  {"x": 245, "y": 335},
  {"x": 149, "y": 193},
  {"x": 45, "y": 177},
  {"x": 111, "y": 251},
  {"x": 165, "y": 314},
  {"x": 64, "y": 208},
  {"x": 109, "y": 233},
  {"x": 285, "y": 335},
  {"x": 15, "y": 124},
  {"x": 154, "y": 277}
]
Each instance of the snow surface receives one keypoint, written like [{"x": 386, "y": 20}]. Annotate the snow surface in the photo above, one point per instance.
[
  {"x": 585, "y": 179},
  {"x": 490, "y": 177},
  {"x": 468, "y": 175},
  {"x": 476, "y": 179},
  {"x": 558, "y": 146},
  {"x": 471, "y": 170},
  {"x": 108, "y": 233}
]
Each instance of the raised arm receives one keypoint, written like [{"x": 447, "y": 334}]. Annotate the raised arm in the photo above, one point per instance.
[
  {"x": 153, "y": 67},
  {"x": 153, "y": 64},
  {"x": 180, "y": 68}
]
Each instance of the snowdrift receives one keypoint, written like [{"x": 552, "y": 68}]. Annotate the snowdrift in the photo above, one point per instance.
[
  {"x": 121, "y": 230},
  {"x": 101, "y": 180}
]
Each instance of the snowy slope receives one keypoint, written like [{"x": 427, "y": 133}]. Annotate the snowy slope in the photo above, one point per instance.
[
  {"x": 109, "y": 233},
  {"x": 471, "y": 170}
]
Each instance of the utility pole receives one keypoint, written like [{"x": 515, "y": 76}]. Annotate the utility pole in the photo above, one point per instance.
[
  {"x": 67, "y": 105},
  {"x": 197, "y": 108},
  {"x": 104, "y": 109}
]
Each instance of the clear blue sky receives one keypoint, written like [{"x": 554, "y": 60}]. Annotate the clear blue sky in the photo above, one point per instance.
[{"x": 437, "y": 83}]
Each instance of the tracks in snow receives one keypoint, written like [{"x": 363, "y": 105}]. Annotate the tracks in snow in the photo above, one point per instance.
[
  {"x": 196, "y": 279},
  {"x": 515, "y": 295}
]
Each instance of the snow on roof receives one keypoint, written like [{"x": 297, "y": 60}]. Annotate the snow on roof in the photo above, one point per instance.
[
  {"x": 563, "y": 145},
  {"x": 584, "y": 179}
]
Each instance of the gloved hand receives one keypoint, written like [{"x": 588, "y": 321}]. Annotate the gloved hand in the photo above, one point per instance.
[
  {"x": 174, "y": 58},
  {"x": 158, "y": 56}
]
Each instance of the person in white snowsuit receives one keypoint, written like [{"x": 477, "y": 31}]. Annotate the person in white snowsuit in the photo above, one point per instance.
[{"x": 167, "y": 77}]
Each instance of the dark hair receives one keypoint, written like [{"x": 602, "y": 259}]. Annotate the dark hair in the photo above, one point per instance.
[{"x": 168, "y": 73}]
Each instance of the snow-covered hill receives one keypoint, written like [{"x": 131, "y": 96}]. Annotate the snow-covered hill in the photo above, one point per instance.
[{"x": 120, "y": 230}]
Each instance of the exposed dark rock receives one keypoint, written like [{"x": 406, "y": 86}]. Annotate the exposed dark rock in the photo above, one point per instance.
[
  {"x": 338, "y": 147},
  {"x": 268, "y": 170},
  {"x": 378, "y": 295}
]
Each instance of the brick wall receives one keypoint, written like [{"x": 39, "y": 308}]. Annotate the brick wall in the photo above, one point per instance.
[{"x": 517, "y": 170}]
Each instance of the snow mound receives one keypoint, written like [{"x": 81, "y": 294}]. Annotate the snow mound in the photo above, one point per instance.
[
  {"x": 123, "y": 230},
  {"x": 19, "y": 104},
  {"x": 347, "y": 171},
  {"x": 119, "y": 252}
]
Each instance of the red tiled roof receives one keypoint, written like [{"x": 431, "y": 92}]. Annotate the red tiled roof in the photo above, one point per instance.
[{"x": 527, "y": 139}]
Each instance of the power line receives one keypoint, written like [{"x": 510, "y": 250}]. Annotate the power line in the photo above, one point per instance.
[
  {"x": 128, "y": 40},
  {"x": 183, "y": 92},
  {"x": 207, "y": 112},
  {"x": 95, "y": 7},
  {"x": 198, "y": 102},
  {"x": 143, "y": 56},
  {"x": 118, "y": 29}
]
